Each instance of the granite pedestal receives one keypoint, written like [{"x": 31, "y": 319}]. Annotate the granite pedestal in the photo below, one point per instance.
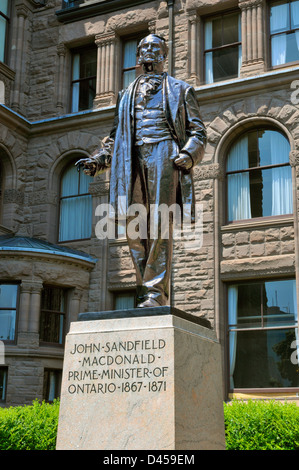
[{"x": 145, "y": 379}]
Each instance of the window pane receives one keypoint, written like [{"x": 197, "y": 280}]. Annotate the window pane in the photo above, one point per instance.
[
  {"x": 263, "y": 359},
  {"x": 3, "y": 378},
  {"x": 51, "y": 321},
  {"x": 3, "y": 24},
  {"x": 295, "y": 14},
  {"x": 70, "y": 182},
  {"x": 124, "y": 301},
  {"x": 249, "y": 305},
  {"x": 88, "y": 63},
  {"x": 8, "y": 295},
  {"x": 279, "y": 17},
  {"x": 292, "y": 48},
  {"x": 274, "y": 148},
  {"x": 128, "y": 77},
  {"x": 75, "y": 212},
  {"x": 4, "y": 7},
  {"x": 75, "y": 218},
  {"x": 275, "y": 301},
  {"x": 51, "y": 327},
  {"x": 85, "y": 70},
  {"x": 279, "y": 49},
  {"x": 52, "y": 383},
  {"x": 280, "y": 304},
  {"x": 84, "y": 182},
  {"x": 216, "y": 32},
  {"x": 259, "y": 192},
  {"x": 208, "y": 35},
  {"x": 231, "y": 28},
  {"x": 130, "y": 48},
  {"x": 76, "y": 67},
  {"x": 7, "y": 324},
  {"x": 53, "y": 299},
  {"x": 226, "y": 63},
  {"x": 87, "y": 93}
]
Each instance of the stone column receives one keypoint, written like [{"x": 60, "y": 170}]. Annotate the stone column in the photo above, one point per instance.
[
  {"x": 252, "y": 32},
  {"x": 29, "y": 313},
  {"x": 194, "y": 53},
  {"x": 106, "y": 70},
  {"x": 24, "y": 306},
  {"x": 35, "y": 303},
  {"x": 22, "y": 13},
  {"x": 61, "y": 51},
  {"x": 74, "y": 305}
]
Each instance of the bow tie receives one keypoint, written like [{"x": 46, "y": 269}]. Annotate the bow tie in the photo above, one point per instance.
[{"x": 150, "y": 82}]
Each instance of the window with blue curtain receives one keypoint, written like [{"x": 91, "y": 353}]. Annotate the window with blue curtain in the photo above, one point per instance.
[
  {"x": 263, "y": 334},
  {"x": 222, "y": 47},
  {"x": 259, "y": 177},
  {"x": 284, "y": 32},
  {"x": 124, "y": 300},
  {"x": 75, "y": 221},
  {"x": 129, "y": 59},
  {"x": 4, "y": 22}
]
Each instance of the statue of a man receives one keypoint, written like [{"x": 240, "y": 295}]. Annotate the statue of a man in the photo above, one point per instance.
[{"x": 156, "y": 140}]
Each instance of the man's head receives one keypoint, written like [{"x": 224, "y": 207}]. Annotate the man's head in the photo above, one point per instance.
[{"x": 152, "y": 52}]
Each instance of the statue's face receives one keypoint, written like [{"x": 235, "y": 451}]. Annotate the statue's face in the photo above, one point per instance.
[{"x": 151, "y": 51}]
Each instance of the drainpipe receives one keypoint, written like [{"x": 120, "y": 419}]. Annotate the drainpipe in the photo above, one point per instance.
[{"x": 170, "y": 4}]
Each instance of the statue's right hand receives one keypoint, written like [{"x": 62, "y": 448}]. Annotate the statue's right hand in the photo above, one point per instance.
[{"x": 89, "y": 164}]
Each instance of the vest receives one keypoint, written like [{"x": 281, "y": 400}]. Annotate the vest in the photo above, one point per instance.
[{"x": 150, "y": 123}]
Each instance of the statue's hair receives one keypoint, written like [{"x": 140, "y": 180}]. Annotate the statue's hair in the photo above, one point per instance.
[{"x": 164, "y": 45}]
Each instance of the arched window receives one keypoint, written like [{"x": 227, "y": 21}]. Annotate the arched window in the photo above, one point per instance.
[
  {"x": 75, "y": 205},
  {"x": 259, "y": 180}
]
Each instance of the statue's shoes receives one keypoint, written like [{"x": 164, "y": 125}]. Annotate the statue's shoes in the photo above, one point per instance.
[{"x": 150, "y": 302}]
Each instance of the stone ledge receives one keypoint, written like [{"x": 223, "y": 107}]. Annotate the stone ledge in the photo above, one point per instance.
[
  {"x": 257, "y": 267},
  {"x": 144, "y": 312}
]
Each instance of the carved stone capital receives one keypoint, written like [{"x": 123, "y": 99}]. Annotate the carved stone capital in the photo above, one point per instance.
[
  {"x": 29, "y": 286},
  {"x": 104, "y": 39},
  {"x": 22, "y": 11},
  {"x": 192, "y": 16},
  {"x": 61, "y": 49},
  {"x": 247, "y": 4}
]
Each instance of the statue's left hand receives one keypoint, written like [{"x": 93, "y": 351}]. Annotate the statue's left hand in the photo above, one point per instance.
[{"x": 183, "y": 162}]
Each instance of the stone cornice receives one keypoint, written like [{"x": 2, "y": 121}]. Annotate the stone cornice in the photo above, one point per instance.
[
  {"x": 87, "y": 10},
  {"x": 263, "y": 267},
  {"x": 46, "y": 257}
]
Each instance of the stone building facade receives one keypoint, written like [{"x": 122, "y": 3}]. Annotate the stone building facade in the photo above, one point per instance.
[{"x": 62, "y": 66}]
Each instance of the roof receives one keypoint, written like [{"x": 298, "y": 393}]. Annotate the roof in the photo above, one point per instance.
[{"x": 27, "y": 244}]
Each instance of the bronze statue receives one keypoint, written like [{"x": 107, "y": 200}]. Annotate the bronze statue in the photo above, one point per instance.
[{"x": 156, "y": 140}]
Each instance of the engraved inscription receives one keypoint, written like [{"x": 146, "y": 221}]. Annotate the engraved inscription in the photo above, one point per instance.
[{"x": 118, "y": 367}]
